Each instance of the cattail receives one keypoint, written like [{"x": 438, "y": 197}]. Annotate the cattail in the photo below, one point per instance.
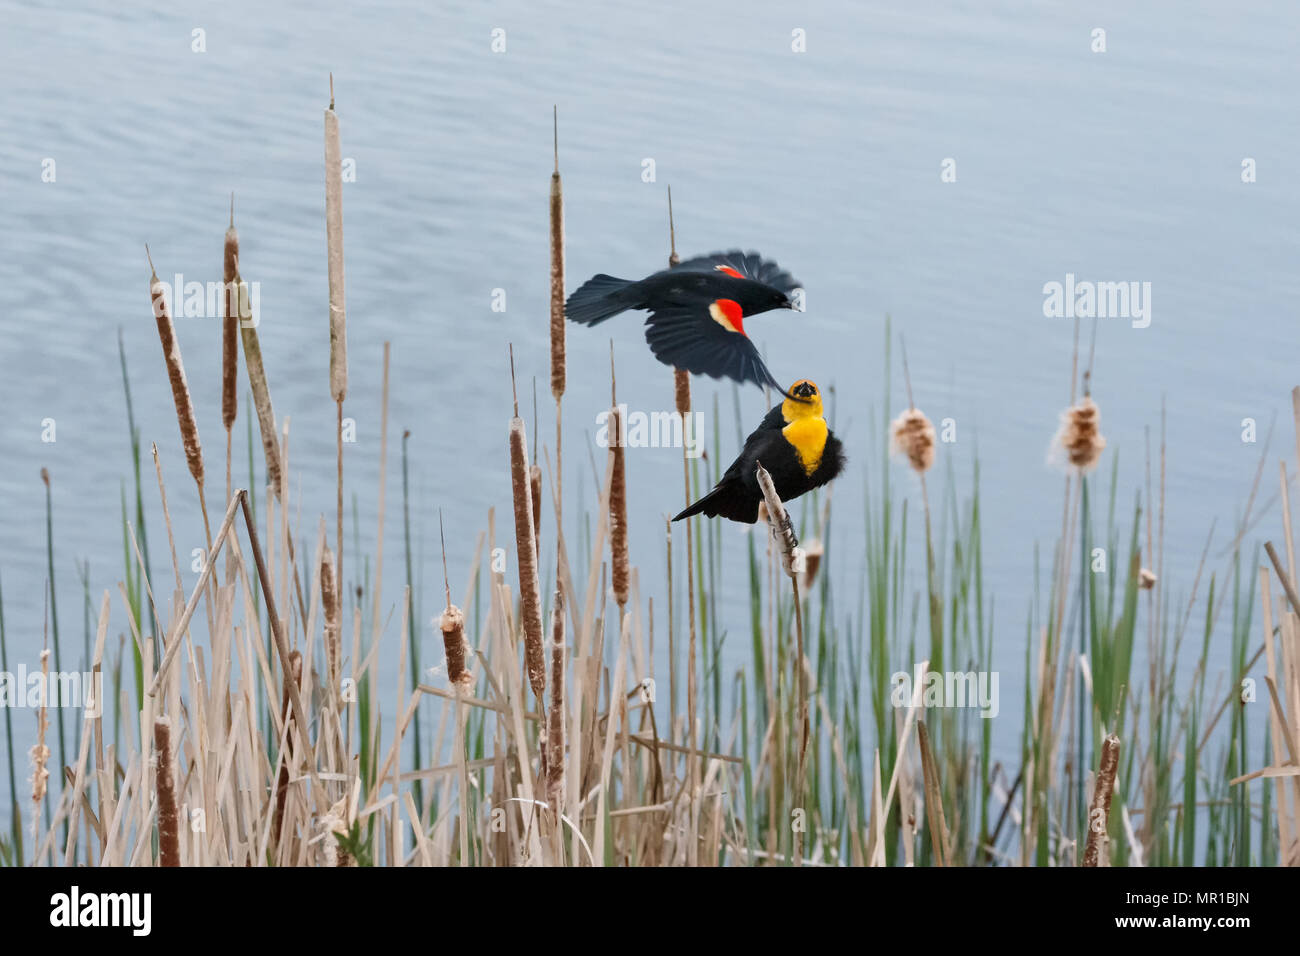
[
  {"x": 914, "y": 438},
  {"x": 334, "y": 244},
  {"x": 618, "y": 512},
  {"x": 526, "y": 548},
  {"x": 682, "y": 392},
  {"x": 530, "y": 588},
  {"x": 557, "y": 273},
  {"x": 1079, "y": 436},
  {"x": 329, "y": 597},
  {"x": 555, "y": 717},
  {"x": 286, "y": 713},
  {"x": 1103, "y": 789},
  {"x": 169, "y": 837},
  {"x": 452, "y": 625},
  {"x": 812, "y": 561},
  {"x": 1146, "y": 579},
  {"x": 261, "y": 399},
  {"x": 176, "y": 373},
  {"x": 230, "y": 324}
]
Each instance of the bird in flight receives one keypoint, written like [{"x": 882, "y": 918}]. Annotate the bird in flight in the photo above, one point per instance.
[
  {"x": 697, "y": 311},
  {"x": 793, "y": 443}
]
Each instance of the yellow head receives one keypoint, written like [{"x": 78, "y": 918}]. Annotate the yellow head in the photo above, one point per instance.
[{"x": 807, "y": 402}]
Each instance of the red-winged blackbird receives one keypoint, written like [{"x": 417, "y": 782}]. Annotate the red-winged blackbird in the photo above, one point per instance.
[
  {"x": 697, "y": 311},
  {"x": 796, "y": 447}
]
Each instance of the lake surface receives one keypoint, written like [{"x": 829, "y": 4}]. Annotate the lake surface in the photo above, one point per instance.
[{"x": 1122, "y": 166}]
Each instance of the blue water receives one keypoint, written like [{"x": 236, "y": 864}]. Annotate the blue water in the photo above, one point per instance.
[{"x": 1116, "y": 166}]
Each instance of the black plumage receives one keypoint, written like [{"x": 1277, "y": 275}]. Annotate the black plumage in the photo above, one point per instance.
[
  {"x": 697, "y": 311},
  {"x": 812, "y": 459}
]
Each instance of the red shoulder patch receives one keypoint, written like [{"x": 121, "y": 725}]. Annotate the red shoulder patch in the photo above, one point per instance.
[
  {"x": 728, "y": 314},
  {"x": 729, "y": 271}
]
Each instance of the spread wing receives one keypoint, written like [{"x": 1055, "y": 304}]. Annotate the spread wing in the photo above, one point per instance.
[
  {"x": 742, "y": 265},
  {"x": 693, "y": 338}
]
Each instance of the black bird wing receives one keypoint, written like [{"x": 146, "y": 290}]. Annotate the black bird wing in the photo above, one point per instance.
[
  {"x": 687, "y": 336},
  {"x": 746, "y": 265}
]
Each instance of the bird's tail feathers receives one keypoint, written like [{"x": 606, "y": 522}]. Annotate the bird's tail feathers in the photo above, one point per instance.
[
  {"x": 599, "y": 298},
  {"x": 728, "y": 500}
]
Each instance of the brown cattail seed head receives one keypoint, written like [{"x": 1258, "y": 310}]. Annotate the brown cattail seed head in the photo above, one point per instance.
[
  {"x": 329, "y": 596},
  {"x": 682, "y": 392},
  {"x": 334, "y": 248},
  {"x": 555, "y": 717},
  {"x": 530, "y": 588},
  {"x": 262, "y": 404},
  {"x": 914, "y": 438},
  {"x": 557, "y": 287},
  {"x": 452, "y": 625},
  {"x": 230, "y": 327},
  {"x": 1080, "y": 435},
  {"x": 176, "y": 374},
  {"x": 618, "y": 512},
  {"x": 169, "y": 843}
]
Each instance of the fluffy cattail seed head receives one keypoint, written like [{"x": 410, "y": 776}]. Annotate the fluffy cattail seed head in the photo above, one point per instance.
[
  {"x": 1146, "y": 579},
  {"x": 1080, "y": 437},
  {"x": 913, "y": 437}
]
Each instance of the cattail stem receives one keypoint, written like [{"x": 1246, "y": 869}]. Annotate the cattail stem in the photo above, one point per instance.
[
  {"x": 558, "y": 362},
  {"x": 782, "y": 530},
  {"x": 682, "y": 400},
  {"x": 169, "y": 842}
]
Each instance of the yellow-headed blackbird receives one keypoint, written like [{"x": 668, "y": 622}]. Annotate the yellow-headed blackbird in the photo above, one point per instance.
[
  {"x": 796, "y": 447},
  {"x": 697, "y": 311}
]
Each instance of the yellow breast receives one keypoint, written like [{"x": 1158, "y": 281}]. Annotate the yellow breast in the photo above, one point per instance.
[{"x": 808, "y": 436}]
